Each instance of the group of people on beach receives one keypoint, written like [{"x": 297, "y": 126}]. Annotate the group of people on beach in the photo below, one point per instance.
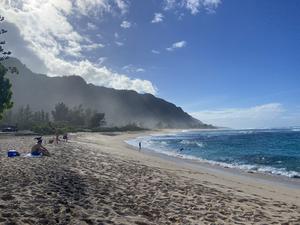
[{"x": 39, "y": 150}]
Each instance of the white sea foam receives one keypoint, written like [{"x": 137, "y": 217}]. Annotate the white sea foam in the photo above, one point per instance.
[
  {"x": 296, "y": 129},
  {"x": 191, "y": 142},
  {"x": 245, "y": 167},
  {"x": 246, "y": 132}
]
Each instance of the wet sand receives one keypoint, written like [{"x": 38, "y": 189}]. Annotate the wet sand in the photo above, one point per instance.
[{"x": 98, "y": 179}]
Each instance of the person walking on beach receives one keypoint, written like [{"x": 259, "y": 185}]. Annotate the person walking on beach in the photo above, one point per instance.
[
  {"x": 140, "y": 146},
  {"x": 65, "y": 137},
  {"x": 56, "y": 136}
]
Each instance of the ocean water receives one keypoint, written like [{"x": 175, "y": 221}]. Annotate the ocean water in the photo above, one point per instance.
[{"x": 272, "y": 151}]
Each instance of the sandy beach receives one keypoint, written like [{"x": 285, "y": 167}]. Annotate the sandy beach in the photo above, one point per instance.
[{"x": 99, "y": 179}]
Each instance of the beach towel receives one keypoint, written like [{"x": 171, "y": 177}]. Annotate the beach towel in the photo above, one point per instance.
[{"x": 29, "y": 155}]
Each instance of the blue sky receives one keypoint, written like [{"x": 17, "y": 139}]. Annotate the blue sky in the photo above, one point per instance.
[{"x": 231, "y": 63}]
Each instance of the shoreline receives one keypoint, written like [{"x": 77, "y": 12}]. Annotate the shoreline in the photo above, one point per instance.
[
  {"x": 213, "y": 165},
  {"x": 198, "y": 165},
  {"x": 254, "y": 183}
]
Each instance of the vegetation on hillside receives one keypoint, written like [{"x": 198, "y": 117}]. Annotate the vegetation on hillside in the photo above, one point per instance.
[
  {"x": 5, "y": 92},
  {"x": 5, "y": 85}
]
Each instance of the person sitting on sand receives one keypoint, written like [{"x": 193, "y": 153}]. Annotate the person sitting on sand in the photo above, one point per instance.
[{"x": 39, "y": 150}]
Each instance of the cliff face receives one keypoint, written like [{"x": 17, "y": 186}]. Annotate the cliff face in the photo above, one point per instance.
[{"x": 120, "y": 106}]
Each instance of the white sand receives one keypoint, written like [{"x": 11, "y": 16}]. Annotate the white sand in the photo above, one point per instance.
[{"x": 98, "y": 179}]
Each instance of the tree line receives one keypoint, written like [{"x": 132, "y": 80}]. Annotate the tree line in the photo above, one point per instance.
[{"x": 61, "y": 118}]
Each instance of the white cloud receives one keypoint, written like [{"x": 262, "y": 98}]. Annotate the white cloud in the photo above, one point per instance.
[
  {"x": 86, "y": 7},
  {"x": 125, "y": 24},
  {"x": 155, "y": 51},
  {"x": 95, "y": 7},
  {"x": 177, "y": 45},
  {"x": 91, "y": 26},
  {"x": 267, "y": 115},
  {"x": 132, "y": 69},
  {"x": 103, "y": 76},
  {"x": 211, "y": 5},
  {"x": 170, "y": 4},
  {"x": 101, "y": 60},
  {"x": 119, "y": 43},
  {"x": 123, "y": 6},
  {"x": 99, "y": 36},
  {"x": 93, "y": 46},
  {"x": 158, "y": 17},
  {"x": 45, "y": 26},
  {"x": 193, "y": 6},
  {"x": 139, "y": 70}
]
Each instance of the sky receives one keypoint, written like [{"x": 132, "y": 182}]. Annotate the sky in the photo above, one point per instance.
[{"x": 229, "y": 63}]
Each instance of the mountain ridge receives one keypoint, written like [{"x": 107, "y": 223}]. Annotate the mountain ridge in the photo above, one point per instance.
[{"x": 121, "y": 107}]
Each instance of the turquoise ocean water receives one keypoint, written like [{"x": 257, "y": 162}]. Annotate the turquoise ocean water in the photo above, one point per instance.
[{"x": 272, "y": 151}]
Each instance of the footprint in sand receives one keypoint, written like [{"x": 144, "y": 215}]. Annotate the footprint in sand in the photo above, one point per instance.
[{"x": 7, "y": 197}]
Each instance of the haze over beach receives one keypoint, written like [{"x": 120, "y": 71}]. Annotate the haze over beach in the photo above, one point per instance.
[
  {"x": 226, "y": 63},
  {"x": 149, "y": 112}
]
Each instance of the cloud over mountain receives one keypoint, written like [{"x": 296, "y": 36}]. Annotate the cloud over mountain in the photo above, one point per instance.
[{"x": 51, "y": 36}]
